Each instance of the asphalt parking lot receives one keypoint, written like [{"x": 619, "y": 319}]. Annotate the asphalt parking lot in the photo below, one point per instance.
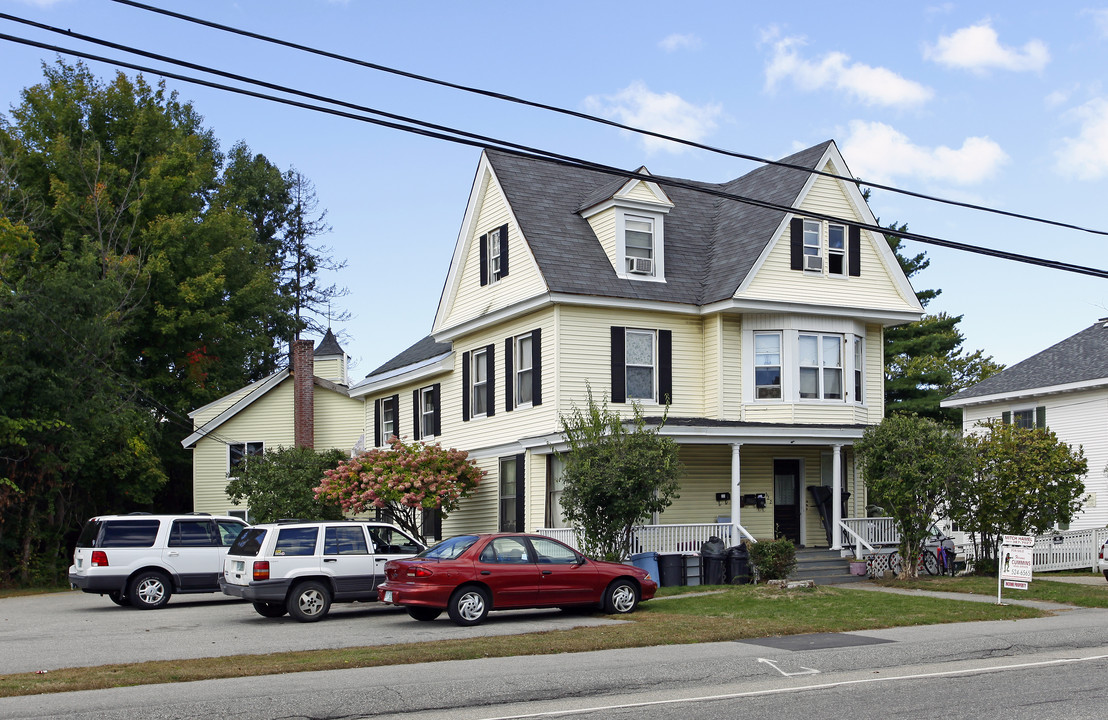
[{"x": 74, "y": 629}]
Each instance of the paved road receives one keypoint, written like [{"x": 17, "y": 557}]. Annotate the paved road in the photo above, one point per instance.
[
  {"x": 74, "y": 629},
  {"x": 1040, "y": 668}
]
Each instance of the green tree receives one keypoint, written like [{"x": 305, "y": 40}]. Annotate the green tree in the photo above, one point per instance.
[
  {"x": 281, "y": 484},
  {"x": 1025, "y": 482},
  {"x": 910, "y": 464},
  {"x": 617, "y": 473},
  {"x": 924, "y": 360},
  {"x": 406, "y": 480}
]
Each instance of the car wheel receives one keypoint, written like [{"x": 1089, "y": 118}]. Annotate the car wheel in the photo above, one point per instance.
[
  {"x": 149, "y": 590},
  {"x": 621, "y": 598},
  {"x": 270, "y": 609},
  {"x": 468, "y": 605},
  {"x": 424, "y": 613},
  {"x": 119, "y": 599},
  {"x": 309, "y": 601}
]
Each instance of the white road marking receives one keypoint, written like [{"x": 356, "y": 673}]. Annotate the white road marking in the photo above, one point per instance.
[{"x": 803, "y": 670}]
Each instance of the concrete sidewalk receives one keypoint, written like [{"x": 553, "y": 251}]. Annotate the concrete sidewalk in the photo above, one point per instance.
[{"x": 967, "y": 597}]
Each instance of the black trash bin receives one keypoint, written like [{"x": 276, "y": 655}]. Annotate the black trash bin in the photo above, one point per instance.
[
  {"x": 738, "y": 565},
  {"x": 712, "y": 556},
  {"x": 671, "y": 570}
]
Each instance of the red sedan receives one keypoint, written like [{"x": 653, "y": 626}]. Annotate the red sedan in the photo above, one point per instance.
[{"x": 469, "y": 575}]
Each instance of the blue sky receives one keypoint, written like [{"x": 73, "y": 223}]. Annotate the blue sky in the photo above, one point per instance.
[{"x": 997, "y": 103}]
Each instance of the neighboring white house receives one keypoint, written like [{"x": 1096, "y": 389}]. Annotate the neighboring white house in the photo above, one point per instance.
[{"x": 1063, "y": 388}]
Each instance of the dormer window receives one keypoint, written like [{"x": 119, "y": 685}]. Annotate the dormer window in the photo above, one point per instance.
[{"x": 639, "y": 246}]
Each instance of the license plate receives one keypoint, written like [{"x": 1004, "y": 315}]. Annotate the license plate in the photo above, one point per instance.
[
  {"x": 388, "y": 596},
  {"x": 80, "y": 562},
  {"x": 240, "y": 565}
]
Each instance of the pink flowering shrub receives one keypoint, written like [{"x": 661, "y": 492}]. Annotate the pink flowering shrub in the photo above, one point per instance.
[{"x": 406, "y": 479}]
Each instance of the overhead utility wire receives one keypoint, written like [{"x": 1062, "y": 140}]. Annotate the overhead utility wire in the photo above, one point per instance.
[
  {"x": 569, "y": 161},
  {"x": 596, "y": 119}
]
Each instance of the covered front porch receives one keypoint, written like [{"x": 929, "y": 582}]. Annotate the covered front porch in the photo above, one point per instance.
[{"x": 770, "y": 482}]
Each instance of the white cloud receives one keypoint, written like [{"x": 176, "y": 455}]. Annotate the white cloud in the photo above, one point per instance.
[
  {"x": 878, "y": 152},
  {"x": 664, "y": 113},
  {"x": 677, "y": 41},
  {"x": 1100, "y": 19},
  {"x": 870, "y": 85},
  {"x": 978, "y": 48},
  {"x": 1085, "y": 157}
]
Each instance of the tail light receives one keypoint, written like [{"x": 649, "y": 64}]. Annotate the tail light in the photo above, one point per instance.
[
  {"x": 419, "y": 572},
  {"x": 99, "y": 558},
  {"x": 261, "y": 569}
]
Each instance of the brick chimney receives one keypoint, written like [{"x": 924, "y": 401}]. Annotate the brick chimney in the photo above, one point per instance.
[{"x": 303, "y": 400}]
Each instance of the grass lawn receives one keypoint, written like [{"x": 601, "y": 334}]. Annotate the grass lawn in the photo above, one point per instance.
[
  {"x": 733, "y": 613},
  {"x": 1040, "y": 588}
]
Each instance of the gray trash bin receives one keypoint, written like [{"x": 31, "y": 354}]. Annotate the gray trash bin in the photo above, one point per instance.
[
  {"x": 738, "y": 565},
  {"x": 671, "y": 568},
  {"x": 712, "y": 556}
]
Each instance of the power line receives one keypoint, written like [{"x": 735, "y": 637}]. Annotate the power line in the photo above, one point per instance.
[
  {"x": 471, "y": 140},
  {"x": 594, "y": 118}
]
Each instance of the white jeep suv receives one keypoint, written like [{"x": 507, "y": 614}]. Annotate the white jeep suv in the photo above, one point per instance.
[
  {"x": 142, "y": 559},
  {"x": 300, "y": 568}
]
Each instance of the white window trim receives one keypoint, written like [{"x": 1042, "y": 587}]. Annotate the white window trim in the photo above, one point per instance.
[
  {"x": 492, "y": 239},
  {"x": 821, "y": 367},
  {"x": 840, "y": 253},
  {"x": 790, "y": 365},
  {"x": 518, "y": 369},
  {"x": 1024, "y": 409},
  {"x": 424, "y": 394},
  {"x": 479, "y": 356},
  {"x": 246, "y": 451},
  {"x": 819, "y": 247},
  {"x": 653, "y": 400},
  {"x": 858, "y": 355},
  {"x": 658, "y": 252},
  {"x": 386, "y": 404},
  {"x": 754, "y": 367}
]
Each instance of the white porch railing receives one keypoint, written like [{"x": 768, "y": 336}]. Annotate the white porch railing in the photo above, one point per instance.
[
  {"x": 664, "y": 538},
  {"x": 869, "y": 533}
]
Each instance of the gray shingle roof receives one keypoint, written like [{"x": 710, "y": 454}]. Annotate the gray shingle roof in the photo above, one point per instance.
[
  {"x": 329, "y": 345},
  {"x": 711, "y": 243},
  {"x": 1078, "y": 358},
  {"x": 425, "y": 349}
]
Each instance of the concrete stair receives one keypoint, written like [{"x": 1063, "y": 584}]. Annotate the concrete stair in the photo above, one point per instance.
[{"x": 823, "y": 566}]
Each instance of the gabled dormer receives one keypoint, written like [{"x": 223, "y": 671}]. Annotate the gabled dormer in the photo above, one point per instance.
[{"x": 628, "y": 218}]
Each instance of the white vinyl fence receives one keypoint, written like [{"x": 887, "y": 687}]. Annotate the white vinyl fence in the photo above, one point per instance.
[{"x": 660, "y": 538}]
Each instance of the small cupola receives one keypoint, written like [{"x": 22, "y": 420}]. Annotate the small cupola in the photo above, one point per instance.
[{"x": 331, "y": 360}]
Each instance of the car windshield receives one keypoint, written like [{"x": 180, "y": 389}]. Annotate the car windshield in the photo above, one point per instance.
[{"x": 450, "y": 548}]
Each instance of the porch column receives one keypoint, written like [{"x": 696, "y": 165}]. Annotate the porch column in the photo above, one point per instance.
[
  {"x": 736, "y": 490},
  {"x": 836, "y": 496}
]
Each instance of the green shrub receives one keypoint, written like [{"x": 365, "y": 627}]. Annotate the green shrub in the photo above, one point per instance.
[{"x": 773, "y": 559}]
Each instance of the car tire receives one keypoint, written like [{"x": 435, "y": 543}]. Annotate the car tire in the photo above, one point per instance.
[
  {"x": 119, "y": 599},
  {"x": 468, "y": 606},
  {"x": 149, "y": 590},
  {"x": 270, "y": 609},
  {"x": 309, "y": 601},
  {"x": 424, "y": 613},
  {"x": 622, "y": 597}
]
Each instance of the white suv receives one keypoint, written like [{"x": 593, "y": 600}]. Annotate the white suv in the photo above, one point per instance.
[
  {"x": 142, "y": 559},
  {"x": 1102, "y": 563},
  {"x": 300, "y": 568}
]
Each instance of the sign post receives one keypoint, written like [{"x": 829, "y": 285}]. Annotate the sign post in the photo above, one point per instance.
[{"x": 1016, "y": 558}]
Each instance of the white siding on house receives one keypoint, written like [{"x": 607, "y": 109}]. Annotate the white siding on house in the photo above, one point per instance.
[{"x": 604, "y": 226}]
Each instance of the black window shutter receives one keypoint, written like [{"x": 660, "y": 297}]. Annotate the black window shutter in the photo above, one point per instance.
[
  {"x": 796, "y": 244},
  {"x": 465, "y": 386},
  {"x": 377, "y": 423},
  {"x": 520, "y": 494},
  {"x": 395, "y": 400},
  {"x": 854, "y": 252},
  {"x": 436, "y": 392},
  {"x": 490, "y": 374},
  {"x": 509, "y": 371},
  {"x": 1040, "y": 417},
  {"x": 415, "y": 411},
  {"x": 1006, "y": 417},
  {"x": 484, "y": 242},
  {"x": 665, "y": 366},
  {"x": 619, "y": 368},
  {"x": 536, "y": 366},
  {"x": 503, "y": 251}
]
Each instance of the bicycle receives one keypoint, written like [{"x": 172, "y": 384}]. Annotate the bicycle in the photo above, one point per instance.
[{"x": 927, "y": 561}]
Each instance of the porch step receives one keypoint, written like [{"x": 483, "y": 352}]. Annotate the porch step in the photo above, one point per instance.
[{"x": 823, "y": 566}]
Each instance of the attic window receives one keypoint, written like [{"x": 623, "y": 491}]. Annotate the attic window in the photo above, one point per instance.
[
  {"x": 494, "y": 255},
  {"x": 639, "y": 238}
]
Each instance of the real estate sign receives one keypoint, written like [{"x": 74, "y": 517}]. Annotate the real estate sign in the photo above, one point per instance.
[{"x": 1016, "y": 560}]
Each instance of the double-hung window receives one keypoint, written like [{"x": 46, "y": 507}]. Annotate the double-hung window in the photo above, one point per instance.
[
  {"x": 479, "y": 386},
  {"x": 494, "y": 255},
  {"x": 820, "y": 360},
  {"x": 767, "y": 366},
  {"x": 511, "y": 493},
  {"x": 859, "y": 367},
  {"x": 836, "y": 249},
  {"x": 427, "y": 410},
  {"x": 388, "y": 421},
  {"x": 524, "y": 378},
  {"x": 240, "y": 453},
  {"x": 638, "y": 235},
  {"x": 641, "y": 361},
  {"x": 813, "y": 245}
]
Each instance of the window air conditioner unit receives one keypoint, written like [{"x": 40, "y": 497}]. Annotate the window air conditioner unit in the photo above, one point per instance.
[
  {"x": 640, "y": 266},
  {"x": 813, "y": 262}
]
